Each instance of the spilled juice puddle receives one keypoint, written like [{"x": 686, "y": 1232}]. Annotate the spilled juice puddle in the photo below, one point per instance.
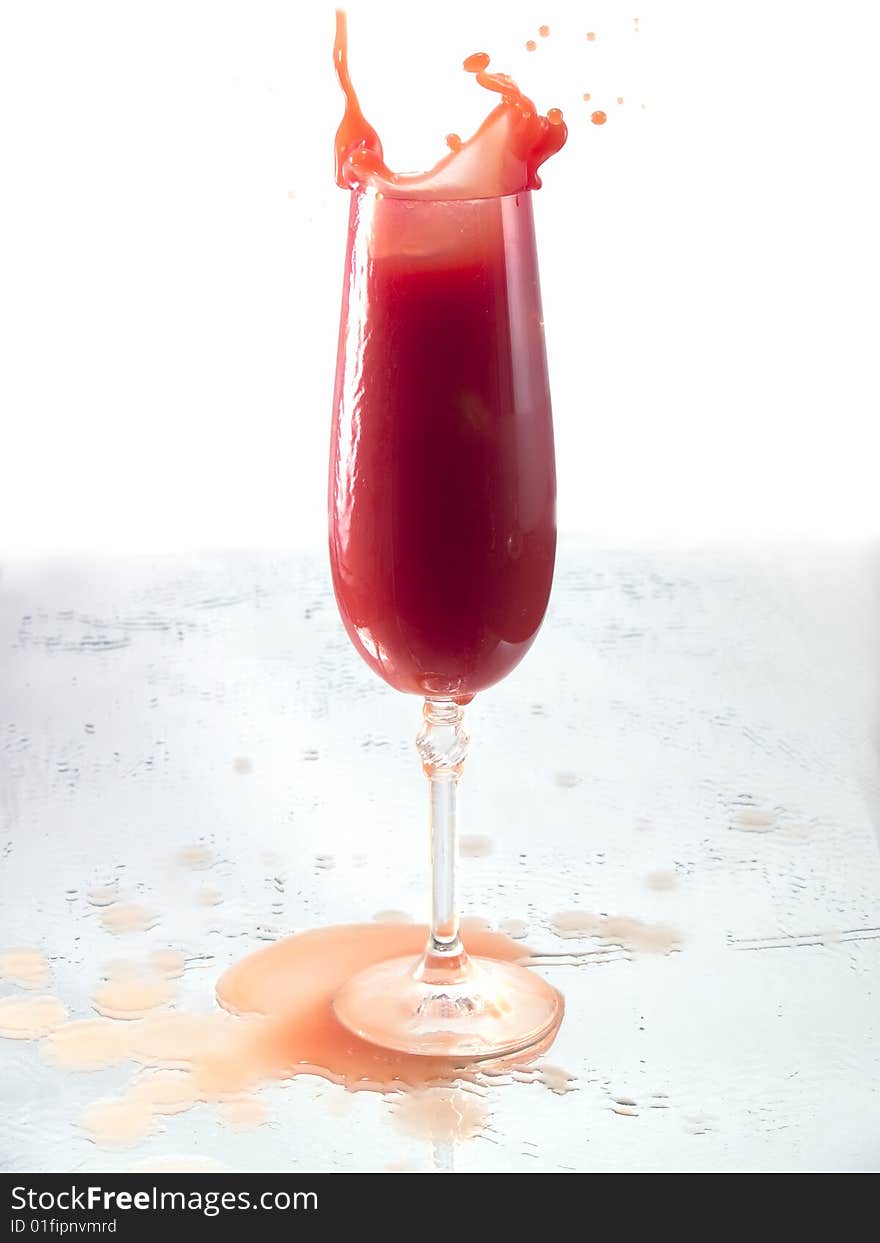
[
  {"x": 29, "y": 1018},
  {"x": 173, "y": 1164},
  {"x": 632, "y": 935},
  {"x": 442, "y": 1115},
  {"x": 243, "y": 1113},
  {"x": 118, "y": 1122},
  {"x": 28, "y": 968},
  {"x": 122, "y": 917},
  {"x": 164, "y": 1091},
  {"x": 86, "y": 1044},
  {"x": 168, "y": 962},
  {"x": 277, "y": 1022},
  {"x": 291, "y": 983},
  {"x": 555, "y": 1079},
  {"x": 131, "y": 992}
]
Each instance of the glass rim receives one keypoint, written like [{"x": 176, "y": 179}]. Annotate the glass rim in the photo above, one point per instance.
[{"x": 364, "y": 190}]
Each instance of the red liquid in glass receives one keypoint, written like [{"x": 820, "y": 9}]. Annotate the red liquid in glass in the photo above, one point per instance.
[
  {"x": 442, "y": 480},
  {"x": 442, "y": 477}
]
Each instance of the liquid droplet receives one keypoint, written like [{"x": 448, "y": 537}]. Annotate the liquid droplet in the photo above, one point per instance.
[
  {"x": 127, "y": 917},
  {"x": 196, "y": 857},
  {"x": 475, "y": 846},
  {"x": 118, "y": 1122},
  {"x": 661, "y": 882},
  {"x": 477, "y": 62},
  {"x": 754, "y": 820},
  {"x": 103, "y": 895}
]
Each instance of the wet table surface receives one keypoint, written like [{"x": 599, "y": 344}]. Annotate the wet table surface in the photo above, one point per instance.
[{"x": 691, "y": 744}]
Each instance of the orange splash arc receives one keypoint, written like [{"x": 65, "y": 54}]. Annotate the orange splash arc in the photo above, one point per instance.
[
  {"x": 501, "y": 158},
  {"x": 292, "y": 983}
]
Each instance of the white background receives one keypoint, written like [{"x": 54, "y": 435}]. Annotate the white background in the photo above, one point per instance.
[{"x": 171, "y": 251}]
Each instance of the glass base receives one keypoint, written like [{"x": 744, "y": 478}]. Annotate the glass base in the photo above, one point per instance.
[{"x": 481, "y": 1009}]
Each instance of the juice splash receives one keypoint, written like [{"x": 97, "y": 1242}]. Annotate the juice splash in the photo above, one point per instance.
[{"x": 501, "y": 158}]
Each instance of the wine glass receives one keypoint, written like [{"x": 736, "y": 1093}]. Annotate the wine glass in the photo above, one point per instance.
[{"x": 442, "y": 544}]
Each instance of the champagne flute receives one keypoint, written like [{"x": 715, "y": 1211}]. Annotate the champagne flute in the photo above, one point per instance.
[{"x": 442, "y": 543}]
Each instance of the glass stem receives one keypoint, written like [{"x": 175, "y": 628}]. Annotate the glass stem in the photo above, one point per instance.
[{"x": 442, "y": 744}]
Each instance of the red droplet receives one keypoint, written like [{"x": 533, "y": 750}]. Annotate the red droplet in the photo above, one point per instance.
[
  {"x": 543, "y": 31},
  {"x": 592, "y": 36},
  {"x": 554, "y": 116},
  {"x": 531, "y": 46},
  {"x": 453, "y": 142},
  {"x": 477, "y": 62},
  {"x": 599, "y": 118}
]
